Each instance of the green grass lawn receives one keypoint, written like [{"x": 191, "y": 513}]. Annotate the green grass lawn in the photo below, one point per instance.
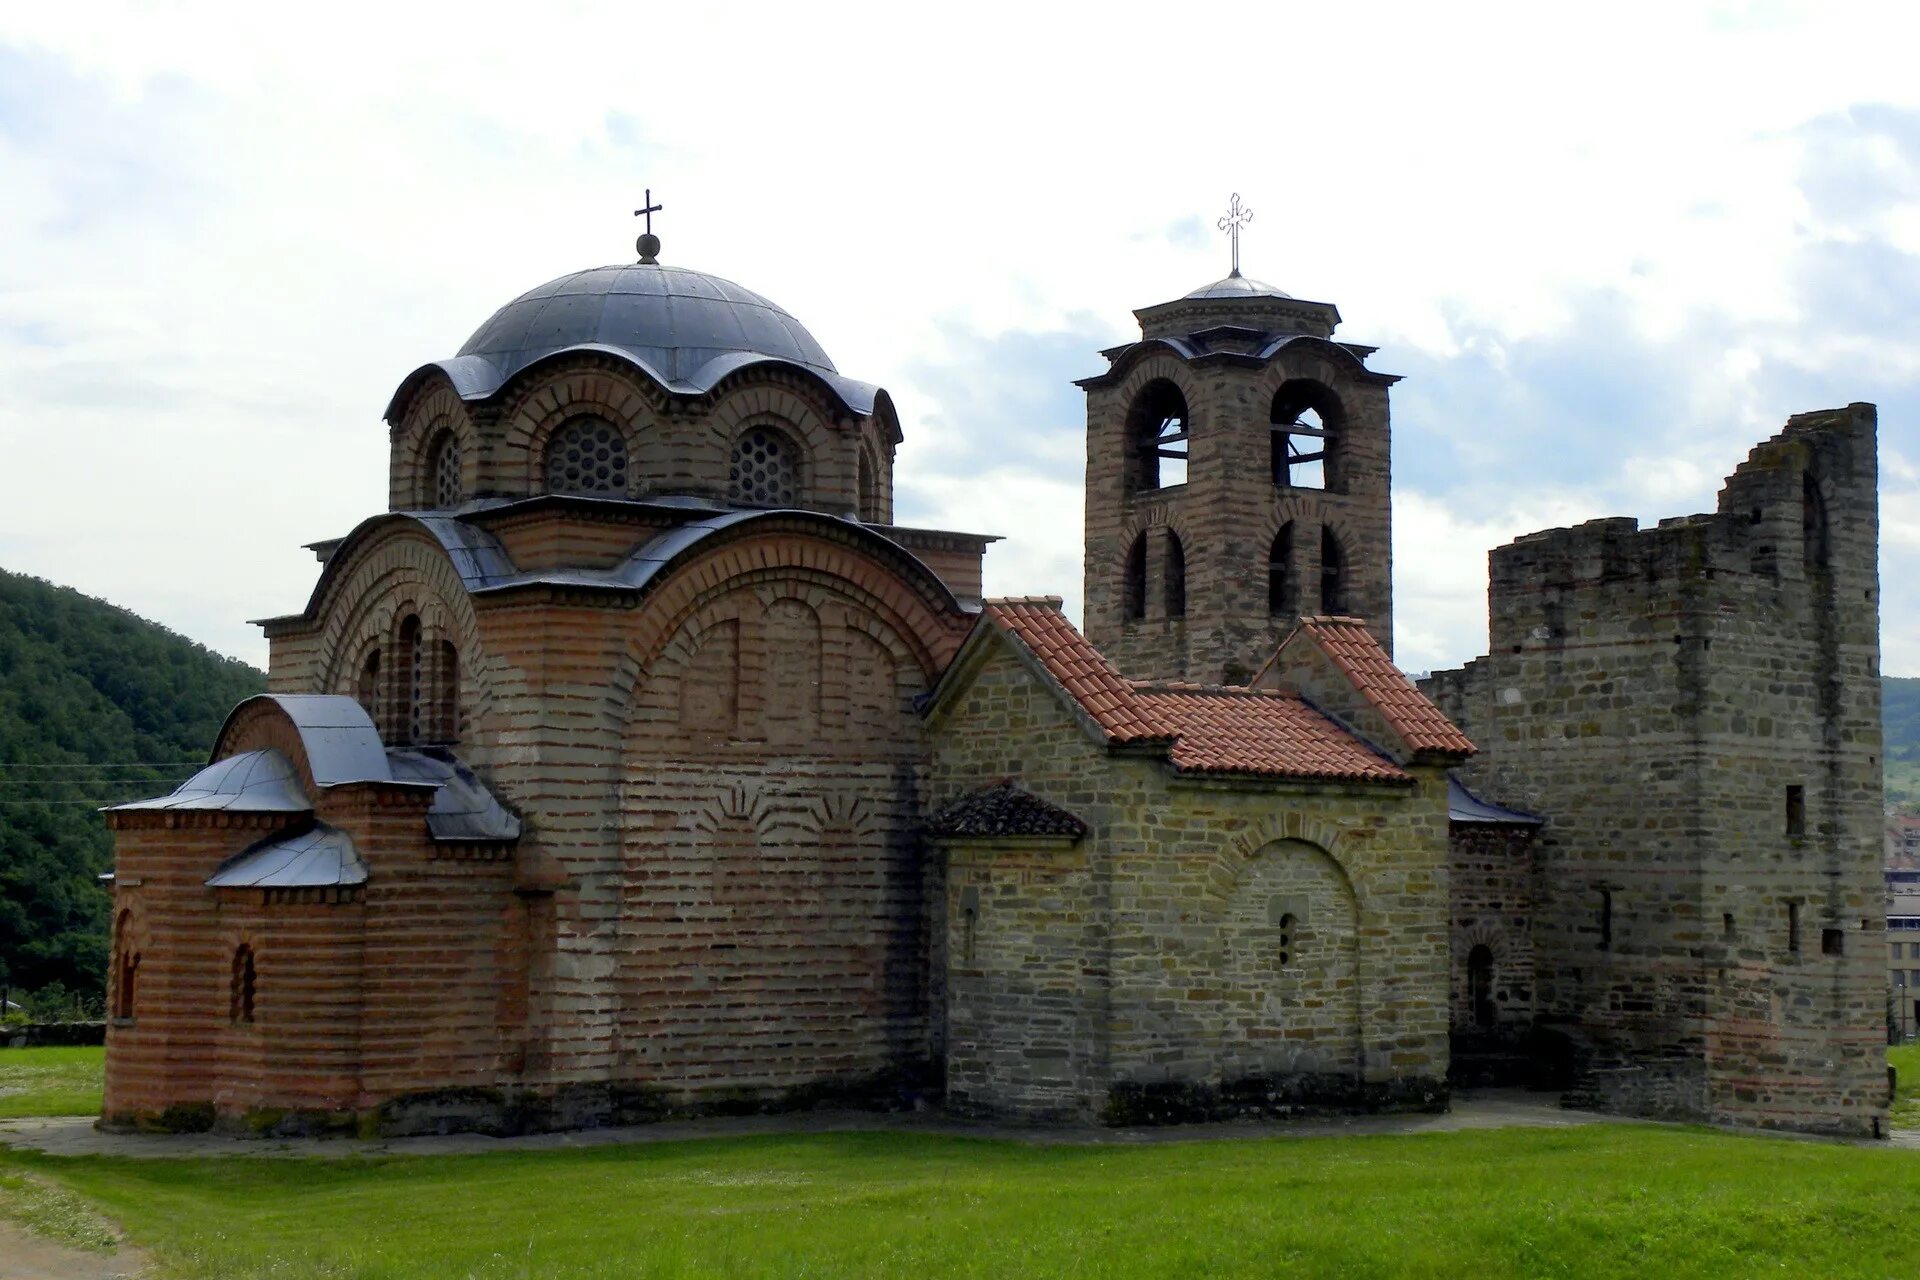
[
  {"x": 1905, "y": 1059},
  {"x": 50, "y": 1082},
  {"x": 1600, "y": 1200}
]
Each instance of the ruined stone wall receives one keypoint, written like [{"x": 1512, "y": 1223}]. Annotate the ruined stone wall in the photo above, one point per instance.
[
  {"x": 1227, "y": 513},
  {"x": 1156, "y": 968},
  {"x": 1694, "y": 710}
]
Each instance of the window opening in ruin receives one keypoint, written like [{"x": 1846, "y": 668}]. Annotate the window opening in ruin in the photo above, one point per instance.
[
  {"x": 445, "y": 726},
  {"x": 1134, "y": 588},
  {"x": 126, "y": 969},
  {"x": 1726, "y": 924},
  {"x": 587, "y": 455},
  {"x": 1176, "y": 577},
  {"x": 869, "y": 496},
  {"x": 968, "y": 921},
  {"x": 1279, "y": 562},
  {"x": 1813, "y": 524},
  {"x": 1303, "y": 436},
  {"x": 240, "y": 993},
  {"x": 407, "y": 683},
  {"x": 1287, "y": 926},
  {"x": 1480, "y": 985},
  {"x": 367, "y": 692},
  {"x": 1157, "y": 438},
  {"x": 1333, "y": 574},
  {"x": 1793, "y": 927},
  {"x": 1796, "y": 810},
  {"x": 1606, "y": 920},
  {"x": 1833, "y": 942},
  {"x": 765, "y": 471},
  {"x": 443, "y": 471}
]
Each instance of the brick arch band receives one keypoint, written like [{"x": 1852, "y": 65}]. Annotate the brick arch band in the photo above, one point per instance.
[{"x": 930, "y": 628}]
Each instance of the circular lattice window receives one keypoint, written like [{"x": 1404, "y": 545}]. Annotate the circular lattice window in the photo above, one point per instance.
[
  {"x": 445, "y": 471},
  {"x": 763, "y": 470},
  {"x": 587, "y": 455}
]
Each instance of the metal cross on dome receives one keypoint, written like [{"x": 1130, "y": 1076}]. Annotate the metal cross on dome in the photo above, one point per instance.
[
  {"x": 1238, "y": 216},
  {"x": 652, "y": 208}
]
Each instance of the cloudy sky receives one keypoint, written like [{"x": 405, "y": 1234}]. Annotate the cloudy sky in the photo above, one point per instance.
[{"x": 1610, "y": 248}]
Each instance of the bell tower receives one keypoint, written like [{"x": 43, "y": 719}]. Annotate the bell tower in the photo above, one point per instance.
[{"x": 1237, "y": 479}]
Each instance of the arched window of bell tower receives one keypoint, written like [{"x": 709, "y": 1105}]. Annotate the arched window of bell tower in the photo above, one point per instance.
[
  {"x": 1334, "y": 597},
  {"x": 1304, "y": 442},
  {"x": 1280, "y": 573},
  {"x": 1134, "y": 587},
  {"x": 1157, "y": 434}
]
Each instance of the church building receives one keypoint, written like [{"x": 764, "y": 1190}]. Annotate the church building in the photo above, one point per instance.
[{"x": 635, "y": 763}]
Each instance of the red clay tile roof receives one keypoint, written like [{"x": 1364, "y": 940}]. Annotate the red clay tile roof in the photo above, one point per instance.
[
  {"x": 1100, "y": 689},
  {"x": 1207, "y": 728},
  {"x": 1250, "y": 731},
  {"x": 1411, "y": 713}
]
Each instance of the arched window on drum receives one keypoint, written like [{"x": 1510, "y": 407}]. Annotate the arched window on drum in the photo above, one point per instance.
[
  {"x": 587, "y": 455},
  {"x": 764, "y": 470}
]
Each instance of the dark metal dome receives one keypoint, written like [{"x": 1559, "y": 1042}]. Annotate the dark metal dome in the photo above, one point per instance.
[
  {"x": 685, "y": 328},
  {"x": 674, "y": 319}
]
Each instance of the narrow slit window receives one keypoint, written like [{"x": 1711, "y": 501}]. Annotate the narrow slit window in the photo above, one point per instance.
[
  {"x": 1796, "y": 810},
  {"x": 240, "y": 996},
  {"x": 1793, "y": 928},
  {"x": 1606, "y": 920},
  {"x": 1288, "y": 927}
]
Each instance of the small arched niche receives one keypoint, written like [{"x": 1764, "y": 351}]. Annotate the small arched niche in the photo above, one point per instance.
[{"x": 1158, "y": 429}]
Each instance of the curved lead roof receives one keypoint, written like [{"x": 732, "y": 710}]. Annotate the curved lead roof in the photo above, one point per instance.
[
  {"x": 341, "y": 743},
  {"x": 484, "y": 565},
  {"x": 1238, "y": 286},
  {"x": 685, "y": 329}
]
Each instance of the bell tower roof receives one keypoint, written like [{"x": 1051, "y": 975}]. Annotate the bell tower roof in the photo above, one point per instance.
[{"x": 1238, "y": 286}]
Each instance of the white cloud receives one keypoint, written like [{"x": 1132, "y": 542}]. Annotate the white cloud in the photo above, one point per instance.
[{"x": 232, "y": 229}]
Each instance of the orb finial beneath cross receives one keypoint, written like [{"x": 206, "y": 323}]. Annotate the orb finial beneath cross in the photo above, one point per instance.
[
  {"x": 1238, "y": 216},
  {"x": 649, "y": 244}
]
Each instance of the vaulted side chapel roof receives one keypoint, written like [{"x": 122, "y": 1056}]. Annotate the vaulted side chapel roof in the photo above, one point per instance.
[
  {"x": 1003, "y": 809},
  {"x": 1206, "y": 729}
]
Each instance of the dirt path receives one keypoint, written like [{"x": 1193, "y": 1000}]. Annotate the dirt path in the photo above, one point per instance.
[{"x": 25, "y": 1256}]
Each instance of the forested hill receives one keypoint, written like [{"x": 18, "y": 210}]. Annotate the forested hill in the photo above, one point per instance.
[
  {"x": 1900, "y": 713},
  {"x": 97, "y": 706}
]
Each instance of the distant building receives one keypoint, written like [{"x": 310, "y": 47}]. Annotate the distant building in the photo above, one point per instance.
[{"x": 1903, "y": 952}]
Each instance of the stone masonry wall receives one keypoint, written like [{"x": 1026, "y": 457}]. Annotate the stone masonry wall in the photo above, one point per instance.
[
  {"x": 1153, "y": 959},
  {"x": 1694, "y": 709}
]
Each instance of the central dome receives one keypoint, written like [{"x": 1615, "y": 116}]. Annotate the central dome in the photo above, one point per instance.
[{"x": 673, "y": 320}]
